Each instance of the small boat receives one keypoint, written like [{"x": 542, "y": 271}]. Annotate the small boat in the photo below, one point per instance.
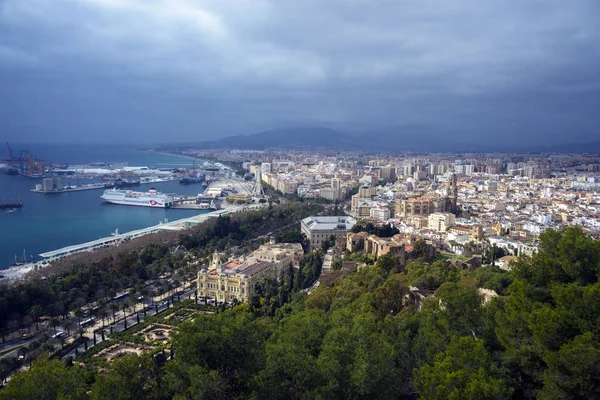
[{"x": 18, "y": 262}]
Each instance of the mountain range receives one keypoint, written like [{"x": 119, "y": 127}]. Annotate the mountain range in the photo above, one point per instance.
[{"x": 323, "y": 138}]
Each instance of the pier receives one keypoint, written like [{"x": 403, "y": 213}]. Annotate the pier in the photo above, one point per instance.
[
  {"x": 119, "y": 238},
  {"x": 69, "y": 189}
]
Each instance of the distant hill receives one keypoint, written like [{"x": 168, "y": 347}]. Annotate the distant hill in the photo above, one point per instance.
[
  {"x": 588, "y": 147},
  {"x": 284, "y": 138},
  {"x": 409, "y": 138},
  {"x": 403, "y": 139}
]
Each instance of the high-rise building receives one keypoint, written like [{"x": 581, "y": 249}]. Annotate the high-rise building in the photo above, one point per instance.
[
  {"x": 388, "y": 173},
  {"x": 407, "y": 170},
  {"x": 265, "y": 167},
  {"x": 335, "y": 184},
  {"x": 432, "y": 170}
]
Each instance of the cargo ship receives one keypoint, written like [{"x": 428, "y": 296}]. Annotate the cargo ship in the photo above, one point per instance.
[
  {"x": 192, "y": 180},
  {"x": 10, "y": 205},
  {"x": 9, "y": 170},
  {"x": 152, "y": 198}
]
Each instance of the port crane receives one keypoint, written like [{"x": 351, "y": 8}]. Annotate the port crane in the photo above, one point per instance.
[{"x": 26, "y": 164}]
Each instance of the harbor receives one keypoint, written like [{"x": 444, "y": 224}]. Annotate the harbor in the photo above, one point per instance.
[
  {"x": 55, "y": 186},
  {"x": 18, "y": 271},
  {"x": 65, "y": 205},
  {"x": 53, "y": 220}
]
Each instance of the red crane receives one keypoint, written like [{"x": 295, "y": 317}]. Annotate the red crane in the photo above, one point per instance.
[
  {"x": 10, "y": 155},
  {"x": 27, "y": 164}
]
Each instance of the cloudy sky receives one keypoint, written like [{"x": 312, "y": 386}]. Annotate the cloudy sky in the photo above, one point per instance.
[{"x": 180, "y": 70}]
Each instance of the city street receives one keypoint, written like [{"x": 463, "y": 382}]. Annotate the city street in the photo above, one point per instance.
[{"x": 158, "y": 306}]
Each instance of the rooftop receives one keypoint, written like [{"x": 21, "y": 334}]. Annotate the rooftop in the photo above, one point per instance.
[{"x": 342, "y": 223}]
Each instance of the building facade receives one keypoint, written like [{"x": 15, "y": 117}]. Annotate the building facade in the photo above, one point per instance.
[
  {"x": 236, "y": 279},
  {"x": 440, "y": 222},
  {"x": 320, "y": 229}
]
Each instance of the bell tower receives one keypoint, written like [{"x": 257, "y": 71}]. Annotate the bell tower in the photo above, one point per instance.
[{"x": 452, "y": 193}]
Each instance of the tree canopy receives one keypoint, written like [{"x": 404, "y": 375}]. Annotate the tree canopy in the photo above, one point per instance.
[{"x": 364, "y": 337}]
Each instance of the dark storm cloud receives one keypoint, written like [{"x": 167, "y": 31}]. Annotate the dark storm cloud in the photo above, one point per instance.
[{"x": 143, "y": 69}]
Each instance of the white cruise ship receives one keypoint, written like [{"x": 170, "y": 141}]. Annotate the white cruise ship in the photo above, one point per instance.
[{"x": 152, "y": 198}]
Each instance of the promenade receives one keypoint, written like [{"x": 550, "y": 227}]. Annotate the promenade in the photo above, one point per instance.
[{"x": 114, "y": 240}]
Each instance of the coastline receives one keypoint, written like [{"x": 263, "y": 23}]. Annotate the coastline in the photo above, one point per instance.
[
  {"x": 16, "y": 273},
  {"x": 170, "y": 154}
]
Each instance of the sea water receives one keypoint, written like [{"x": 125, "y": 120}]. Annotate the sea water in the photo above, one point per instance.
[{"x": 51, "y": 221}]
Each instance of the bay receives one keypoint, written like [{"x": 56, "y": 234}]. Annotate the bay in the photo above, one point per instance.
[{"x": 51, "y": 221}]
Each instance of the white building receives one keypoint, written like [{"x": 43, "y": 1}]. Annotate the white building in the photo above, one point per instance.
[
  {"x": 544, "y": 219},
  {"x": 320, "y": 229},
  {"x": 265, "y": 167},
  {"x": 440, "y": 222},
  {"x": 380, "y": 213}
]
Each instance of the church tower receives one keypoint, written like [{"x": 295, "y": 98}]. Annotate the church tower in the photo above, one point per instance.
[{"x": 452, "y": 193}]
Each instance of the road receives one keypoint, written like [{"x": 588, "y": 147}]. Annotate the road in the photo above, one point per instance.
[
  {"x": 132, "y": 320},
  {"x": 17, "y": 344}
]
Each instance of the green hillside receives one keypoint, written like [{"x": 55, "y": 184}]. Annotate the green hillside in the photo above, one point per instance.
[{"x": 363, "y": 338}]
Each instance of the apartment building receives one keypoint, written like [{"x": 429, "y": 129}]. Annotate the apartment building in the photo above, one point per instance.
[
  {"x": 387, "y": 173},
  {"x": 440, "y": 222}
]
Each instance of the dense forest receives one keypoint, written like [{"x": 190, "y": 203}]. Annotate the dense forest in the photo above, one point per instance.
[
  {"x": 364, "y": 338},
  {"x": 84, "y": 282}
]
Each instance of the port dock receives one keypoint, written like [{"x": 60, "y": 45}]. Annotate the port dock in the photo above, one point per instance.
[
  {"x": 69, "y": 189},
  {"x": 191, "y": 206},
  {"x": 117, "y": 239},
  {"x": 54, "y": 185}
]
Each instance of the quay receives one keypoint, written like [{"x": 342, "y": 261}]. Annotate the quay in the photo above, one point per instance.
[
  {"x": 67, "y": 189},
  {"x": 119, "y": 238},
  {"x": 190, "y": 206},
  {"x": 54, "y": 186},
  {"x": 17, "y": 272}
]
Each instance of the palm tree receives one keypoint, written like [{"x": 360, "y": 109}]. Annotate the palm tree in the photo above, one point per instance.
[
  {"x": 69, "y": 326},
  {"x": 35, "y": 313},
  {"x": 102, "y": 314},
  {"x": 124, "y": 307},
  {"x": 54, "y": 323},
  {"x": 78, "y": 314},
  {"x": 145, "y": 293},
  {"x": 114, "y": 307},
  {"x": 6, "y": 367},
  {"x": 133, "y": 297}
]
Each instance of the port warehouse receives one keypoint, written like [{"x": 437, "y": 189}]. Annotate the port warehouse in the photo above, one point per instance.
[{"x": 119, "y": 238}]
